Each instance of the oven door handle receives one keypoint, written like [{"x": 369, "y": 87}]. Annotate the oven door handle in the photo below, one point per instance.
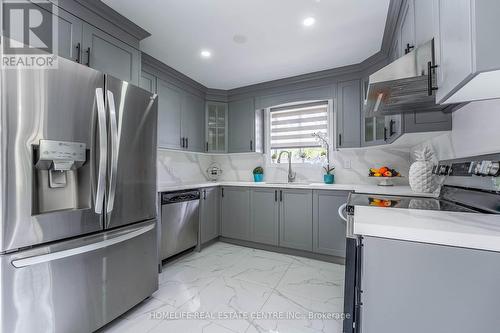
[{"x": 341, "y": 211}]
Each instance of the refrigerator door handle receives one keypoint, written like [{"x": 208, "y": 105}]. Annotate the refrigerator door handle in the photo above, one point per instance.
[
  {"x": 103, "y": 152},
  {"x": 114, "y": 151},
  {"x": 43, "y": 258}
]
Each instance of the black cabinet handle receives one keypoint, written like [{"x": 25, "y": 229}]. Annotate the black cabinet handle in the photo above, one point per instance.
[
  {"x": 281, "y": 195},
  {"x": 206, "y": 149},
  {"x": 385, "y": 133},
  {"x": 88, "y": 57},
  {"x": 409, "y": 48},
  {"x": 340, "y": 140},
  {"x": 182, "y": 142},
  {"x": 430, "y": 69},
  {"x": 391, "y": 127},
  {"x": 204, "y": 194},
  {"x": 222, "y": 192},
  {"x": 251, "y": 145},
  {"x": 78, "y": 52},
  {"x": 187, "y": 143},
  {"x": 276, "y": 195}
]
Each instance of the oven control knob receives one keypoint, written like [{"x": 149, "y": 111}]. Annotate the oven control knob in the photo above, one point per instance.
[{"x": 487, "y": 168}]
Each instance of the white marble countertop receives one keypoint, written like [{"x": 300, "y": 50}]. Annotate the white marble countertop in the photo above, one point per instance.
[
  {"x": 468, "y": 230},
  {"x": 359, "y": 188}
]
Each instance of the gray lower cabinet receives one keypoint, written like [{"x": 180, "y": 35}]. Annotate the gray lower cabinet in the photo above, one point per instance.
[
  {"x": 110, "y": 55},
  {"x": 235, "y": 214},
  {"x": 296, "y": 219},
  {"x": 264, "y": 216},
  {"x": 209, "y": 214},
  {"x": 349, "y": 114},
  {"x": 329, "y": 229},
  {"x": 454, "y": 289},
  {"x": 169, "y": 115}
]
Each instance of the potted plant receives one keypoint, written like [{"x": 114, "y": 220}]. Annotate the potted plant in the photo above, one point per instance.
[
  {"x": 274, "y": 157},
  {"x": 258, "y": 174},
  {"x": 328, "y": 177},
  {"x": 303, "y": 156}
]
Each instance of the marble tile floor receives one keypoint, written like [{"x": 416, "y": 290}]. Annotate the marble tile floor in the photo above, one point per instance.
[{"x": 228, "y": 288}]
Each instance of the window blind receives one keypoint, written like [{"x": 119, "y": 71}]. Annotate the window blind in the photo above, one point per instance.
[{"x": 293, "y": 126}]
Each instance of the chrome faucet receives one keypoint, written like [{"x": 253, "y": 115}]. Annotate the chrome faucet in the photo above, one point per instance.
[{"x": 291, "y": 175}]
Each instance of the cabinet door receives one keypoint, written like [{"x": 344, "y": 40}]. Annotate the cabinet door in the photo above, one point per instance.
[
  {"x": 192, "y": 122},
  {"x": 110, "y": 55},
  {"x": 209, "y": 211},
  {"x": 427, "y": 121},
  {"x": 216, "y": 127},
  {"x": 296, "y": 219},
  {"x": 453, "y": 44},
  {"x": 328, "y": 228},
  {"x": 349, "y": 114},
  {"x": 235, "y": 222},
  {"x": 398, "y": 279},
  {"x": 407, "y": 27},
  {"x": 148, "y": 82},
  {"x": 424, "y": 30},
  {"x": 264, "y": 216},
  {"x": 69, "y": 32},
  {"x": 169, "y": 115},
  {"x": 241, "y": 126}
]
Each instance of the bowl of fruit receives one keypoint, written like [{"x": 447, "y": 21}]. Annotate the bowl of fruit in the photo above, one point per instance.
[{"x": 385, "y": 174}]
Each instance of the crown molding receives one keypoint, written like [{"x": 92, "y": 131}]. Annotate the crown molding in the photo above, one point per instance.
[{"x": 109, "y": 14}]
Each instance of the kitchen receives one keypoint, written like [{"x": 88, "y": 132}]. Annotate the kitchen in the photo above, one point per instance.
[{"x": 308, "y": 166}]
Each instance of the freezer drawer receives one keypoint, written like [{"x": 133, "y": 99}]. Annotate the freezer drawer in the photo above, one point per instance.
[{"x": 78, "y": 285}]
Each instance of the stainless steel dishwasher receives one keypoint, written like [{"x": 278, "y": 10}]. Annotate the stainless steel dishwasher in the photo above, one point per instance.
[{"x": 179, "y": 222}]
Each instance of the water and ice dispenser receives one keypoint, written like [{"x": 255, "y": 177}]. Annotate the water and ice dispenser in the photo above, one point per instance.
[{"x": 61, "y": 176}]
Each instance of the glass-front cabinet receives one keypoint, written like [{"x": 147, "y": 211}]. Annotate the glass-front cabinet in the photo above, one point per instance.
[
  {"x": 379, "y": 130},
  {"x": 216, "y": 127}
]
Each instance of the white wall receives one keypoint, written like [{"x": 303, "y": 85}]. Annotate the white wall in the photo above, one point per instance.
[{"x": 476, "y": 131}]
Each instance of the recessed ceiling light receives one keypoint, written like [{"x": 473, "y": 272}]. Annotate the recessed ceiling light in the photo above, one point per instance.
[
  {"x": 309, "y": 21},
  {"x": 205, "y": 54}
]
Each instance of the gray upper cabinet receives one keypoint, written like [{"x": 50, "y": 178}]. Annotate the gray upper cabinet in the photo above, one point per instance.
[
  {"x": 407, "y": 27},
  {"x": 216, "y": 127},
  {"x": 209, "y": 214},
  {"x": 427, "y": 122},
  {"x": 264, "y": 216},
  {"x": 329, "y": 229},
  {"x": 148, "y": 82},
  {"x": 235, "y": 214},
  {"x": 170, "y": 101},
  {"x": 192, "y": 122},
  {"x": 69, "y": 36},
  {"x": 245, "y": 127},
  {"x": 467, "y": 50},
  {"x": 349, "y": 114},
  {"x": 110, "y": 55},
  {"x": 424, "y": 15},
  {"x": 296, "y": 219}
]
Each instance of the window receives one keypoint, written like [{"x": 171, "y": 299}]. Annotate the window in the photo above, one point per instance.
[{"x": 291, "y": 128}]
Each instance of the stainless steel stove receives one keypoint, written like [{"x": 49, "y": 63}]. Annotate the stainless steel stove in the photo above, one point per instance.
[{"x": 468, "y": 185}]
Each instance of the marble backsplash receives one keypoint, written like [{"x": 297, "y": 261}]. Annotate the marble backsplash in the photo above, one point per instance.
[{"x": 180, "y": 167}]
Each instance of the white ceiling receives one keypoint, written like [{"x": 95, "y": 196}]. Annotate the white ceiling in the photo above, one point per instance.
[{"x": 277, "y": 44}]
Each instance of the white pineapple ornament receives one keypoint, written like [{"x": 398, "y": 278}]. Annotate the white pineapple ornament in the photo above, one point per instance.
[{"x": 421, "y": 177}]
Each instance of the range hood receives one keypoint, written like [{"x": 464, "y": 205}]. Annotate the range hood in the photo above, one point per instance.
[{"x": 405, "y": 85}]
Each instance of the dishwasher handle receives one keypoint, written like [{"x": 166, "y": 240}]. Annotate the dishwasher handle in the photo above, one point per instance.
[{"x": 170, "y": 198}]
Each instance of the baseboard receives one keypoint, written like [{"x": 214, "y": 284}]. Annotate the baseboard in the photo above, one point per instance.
[{"x": 278, "y": 249}]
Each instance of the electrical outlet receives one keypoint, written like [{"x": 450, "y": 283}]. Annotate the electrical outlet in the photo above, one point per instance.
[{"x": 347, "y": 164}]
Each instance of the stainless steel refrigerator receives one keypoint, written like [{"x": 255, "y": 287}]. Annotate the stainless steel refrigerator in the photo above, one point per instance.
[{"x": 78, "y": 243}]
